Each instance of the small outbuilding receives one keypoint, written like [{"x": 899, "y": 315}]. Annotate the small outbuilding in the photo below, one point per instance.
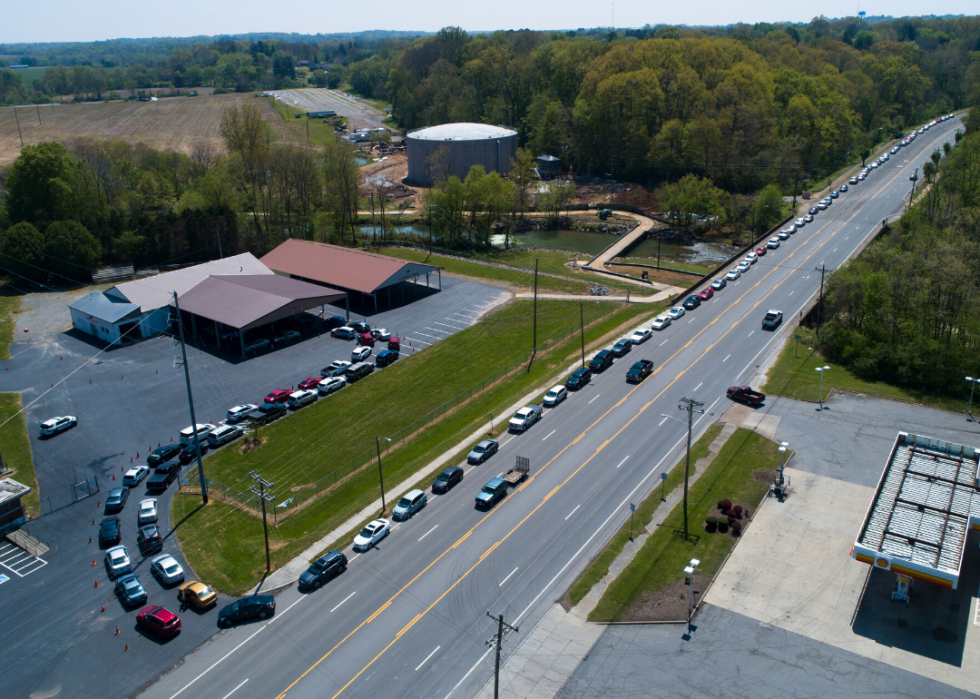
[
  {"x": 11, "y": 509},
  {"x": 108, "y": 318},
  {"x": 548, "y": 167}
]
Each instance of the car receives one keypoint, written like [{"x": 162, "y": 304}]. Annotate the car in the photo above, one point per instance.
[
  {"x": 706, "y": 293},
  {"x": 622, "y": 347},
  {"x": 361, "y": 327},
  {"x": 258, "y": 346},
  {"x": 853, "y": 180},
  {"x": 240, "y": 412},
  {"x": 372, "y": 533},
  {"x": 844, "y": 188},
  {"x": 344, "y": 333},
  {"x": 336, "y": 368},
  {"x": 639, "y": 371},
  {"x": 813, "y": 211},
  {"x": 783, "y": 235},
  {"x": 719, "y": 284},
  {"x": 129, "y": 590},
  {"x": 554, "y": 396},
  {"x": 752, "y": 257},
  {"x": 117, "y": 561},
  {"x": 222, "y": 434},
  {"x": 660, "y": 322},
  {"x": 743, "y": 266},
  {"x": 410, "y": 503},
  {"x": 267, "y": 413},
  {"x": 110, "y": 531},
  {"x": 791, "y": 229},
  {"x": 676, "y": 312},
  {"x": 116, "y": 499},
  {"x": 692, "y": 302},
  {"x": 298, "y": 399},
  {"x": 159, "y": 620},
  {"x": 197, "y": 594},
  {"x": 329, "y": 385},
  {"x": 772, "y": 319},
  {"x": 386, "y": 357},
  {"x": 394, "y": 344},
  {"x": 885, "y": 158},
  {"x": 360, "y": 354},
  {"x": 492, "y": 493},
  {"x": 773, "y": 243},
  {"x": 524, "y": 418},
  {"x": 356, "y": 372},
  {"x": 189, "y": 453},
  {"x": 149, "y": 540},
  {"x": 733, "y": 274},
  {"x": 445, "y": 481},
  {"x": 579, "y": 378},
  {"x": 163, "y": 454},
  {"x": 602, "y": 361},
  {"x": 862, "y": 177},
  {"x": 147, "y": 512},
  {"x": 381, "y": 334},
  {"x": 166, "y": 568},
  {"x": 640, "y": 336},
  {"x": 322, "y": 569},
  {"x": 162, "y": 476},
  {"x": 287, "y": 337},
  {"x": 51, "y": 427},
  {"x": 278, "y": 396},
  {"x": 254, "y": 607},
  {"x": 134, "y": 476},
  {"x": 834, "y": 193},
  {"x": 310, "y": 384},
  {"x": 335, "y": 322},
  {"x": 808, "y": 218},
  {"x": 874, "y": 166},
  {"x": 800, "y": 222},
  {"x": 199, "y": 430},
  {"x": 366, "y": 339}
]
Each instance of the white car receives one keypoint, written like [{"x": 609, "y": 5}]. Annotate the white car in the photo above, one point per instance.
[
  {"x": 821, "y": 205},
  {"x": 167, "y": 569},
  {"x": 800, "y": 222},
  {"x": 372, "y": 534},
  {"x": 238, "y": 413},
  {"x": 661, "y": 322},
  {"x": 222, "y": 434},
  {"x": 791, "y": 229},
  {"x": 298, "y": 399},
  {"x": 524, "y": 418},
  {"x": 874, "y": 165},
  {"x": 147, "y": 512},
  {"x": 733, "y": 274},
  {"x": 360, "y": 354},
  {"x": 676, "y": 312},
  {"x": 719, "y": 284},
  {"x": 336, "y": 368},
  {"x": 555, "y": 396},
  {"x": 773, "y": 243},
  {"x": 743, "y": 267},
  {"x": 202, "y": 430},
  {"x": 117, "y": 561},
  {"x": 783, "y": 235},
  {"x": 329, "y": 385},
  {"x": 134, "y": 476},
  {"x": 58, "y": 424},
  {"x": 640, "y": 336},
  {"x": 752, "y": 258}
]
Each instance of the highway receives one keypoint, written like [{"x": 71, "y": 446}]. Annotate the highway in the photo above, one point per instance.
[{"x": 408, "y": 618}]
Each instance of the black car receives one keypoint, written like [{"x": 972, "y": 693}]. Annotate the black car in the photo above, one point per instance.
[
  {"x": 622, "y": 347},
  {"x": 162, "y": 454},
  {"x": 386, "y": 357},
  {"x": 324, "y": 568},
  {"x": 110, "y": 531},
  {"x": 255, "y": 607},
  {"x": 163, "y": 476},
  {"x": 116, "y": 500},
  {"x": 267, "y": 412},
  {"x": 639, "y": 371},
  {"x": 692, "y": 302},
  {"x": 601, "y": 361},
  {"x": 814, "y": 211},
  {"x": 579, "y": 378},
  {"x": 189, "y": 453},
  {"x": 149, "y": 540},
  {"x": 361, "y": 327},
  {"x": 447, "y": 479}
]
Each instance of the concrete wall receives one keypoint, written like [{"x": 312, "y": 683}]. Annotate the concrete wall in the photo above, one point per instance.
[{"x": 494, "y": 154}]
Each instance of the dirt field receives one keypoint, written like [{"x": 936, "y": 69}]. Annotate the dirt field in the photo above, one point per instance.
[
  {"x": 361, "y": 114},
  {"x": 171, "y": 123}
]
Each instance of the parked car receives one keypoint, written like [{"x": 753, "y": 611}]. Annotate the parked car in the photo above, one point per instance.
[
  {"x": 337, "y": 368},
  {"x": 800, "y": 222},
  {"x": 772, "y": 319},
  {"x": 445, "y": 481},
  {"x": 240, "y": 412},
  {"x": 372, "y": 534},
  {"x": 51, "y": 427},
  {"x": 267, "y": 413},
  {"x": 844, "y": 188},
  {"x": 813, "y": 211},
  {"x": 381, "y": 334},
  {"x": 149, "y": 540},
  {"x": 660, "y": 322},
  {"x": 410, "y": 503},
  {"x": 110, "y": 531},
  {"x": 385, "y": 357},
  {"x": 129, "y": 591},
  {"x": 706, "y": 293},
  {"x": 640, "y": 336},
  {"x": 322, "y": 569},
  {"x": 189, "y": 453},
  {"x": 335, "y": 322},
  {"x": 197, "y": 594},
  {"x": 578, "y": 379},
  {"x": 743, "y": 267},
  {"x": 639, "y": 371},
  {"x": 602, "y": 361},
  {"x": 134, "y": 476},
  {"x": 853, "y": 180},
  {"x": 835, "y": 194},
  {"x": 482, "y": 451},
  {"x": 676, "y": 312},
  {"x": 222, "y": 434},
  {"x": 622, "y": 347},
  {"x": 719, "y": 284},
  {"x": 524, "y": 418},
  {"x": 201, "y": 430},
  {"x": 356, "y": 372},
  {"x": 328, "y": 386},
  {"x": 254, "y": 607},
  {"x": 492, "y": 493},
  {"x": 278, "y": 396},
  {"x": 808, "y": 218},
  {"x": 555, "y": 396},
  {"x": 360, "y": 354},
  {"x": 783, "y": 235},
  {"x": 394, "y": 344},
  {"x": 159, "y": 620},
  {"x": 822, "y": 206},
  {"x": 162, "y": 476},
  {"x": 147, "y": 512},
  {"x": 692, "y": 302},
  {"x": 344, "y": 333},
  {"x": 167, "y": 570},
  {"x": 116, "y": 499},
  {"x": 310, "y": 384},
  {"x": 361, "y": 326},
  {"x": 759, "y": 252},
  {"x": 300, "y": 398},
  {"x": 167, "y": 452},
  {"x": 365, "y": 340},
  {"x": 773, "y": 243},
  {"x": 287, "y": 337},
  {"x": 258, "y": 346},
  {"x": 733, "y": 274},
  {"x": 745, "y": 395},
  {"x": 117, "y": 561}
]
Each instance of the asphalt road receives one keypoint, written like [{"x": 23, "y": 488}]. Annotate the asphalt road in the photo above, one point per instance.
[{"x": 409, "y": 618}]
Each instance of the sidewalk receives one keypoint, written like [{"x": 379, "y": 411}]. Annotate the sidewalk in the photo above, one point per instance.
[{"x": 634, "y": 298}]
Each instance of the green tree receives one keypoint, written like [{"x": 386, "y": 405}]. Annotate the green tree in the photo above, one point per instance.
[
  {"x": 70, "y": 250},
  {"x": 341, "y": 177},
  {"x": 768, "y": 208},
  {"x": 40, "y": 184},
  {"x": 690, "y": 199},
  {"x": 22, "y": 247},
  {"x": 248, "y": 136}
]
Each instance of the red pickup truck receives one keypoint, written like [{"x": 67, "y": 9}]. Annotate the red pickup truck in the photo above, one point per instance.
[{"x": 746, "y": 395}]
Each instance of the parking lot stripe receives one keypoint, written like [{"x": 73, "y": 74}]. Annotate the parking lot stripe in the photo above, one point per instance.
[
  {"x": 437, "y": 330},
  {"x": 454, "y": 327},
  {"x": 432, "y": 336},
  {"x": 421, "y": 342}
]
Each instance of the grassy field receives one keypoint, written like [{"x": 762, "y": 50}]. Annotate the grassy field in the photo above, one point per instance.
[
  {"x": 29, "y": 75},
  {"x": 599, "y": 567},
  {"x": 17, "y": 447},
  {"x": 9, "y": 307},
  {"x": 794, "y": 376},
  {"x": 301, "y": 130},
  {"x": 663, "y": 556},
  {"x": 291, "y": 454}
]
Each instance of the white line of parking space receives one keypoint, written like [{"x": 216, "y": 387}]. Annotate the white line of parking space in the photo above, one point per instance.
[
  {"x": 429, "y": 336},
  {"x": 449, "y": 325},
  {"x": 465, "y": 316},
  {"x": 437, "y": 330},
  {"x": 18, "y": 561},
  {"x": 421, "y": 342}
]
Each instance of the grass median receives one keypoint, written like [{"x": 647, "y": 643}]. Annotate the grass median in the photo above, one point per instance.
[
  {"x": 324, "y": 435},
  {"x": 17, "y": 448}
]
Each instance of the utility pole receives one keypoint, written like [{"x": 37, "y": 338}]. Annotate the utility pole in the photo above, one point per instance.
[
  {"x": 796, "y": 179},
  {"x": 691, "y": 406},
  {"x": 581, "y": 321},
  {"x": 914, "y": 178},
  {"x": 18, "y": 128},
  {"x": 495, "y": 642},
  {"x": 217, "y": 232},
  {"x": 823, "y": 271},
  {"x": 261, "y": 495},
  {"x": 190, "y": 402},
  {"x": 381, "y": 477},
  {"x": 430, "y": 207},
  {"x": 38, "y": 108},
  {"x": 534, "y": 345}
]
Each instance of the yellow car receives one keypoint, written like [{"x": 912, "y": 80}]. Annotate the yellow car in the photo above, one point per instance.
[{"x": 197, "y": 594}]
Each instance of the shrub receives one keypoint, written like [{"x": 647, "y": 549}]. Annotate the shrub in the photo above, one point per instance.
[
  {"x": 738, "y": 509},
  {"x": 723, "y": 525},
  {"x": 736, "y": 528},
  {"x": 746, "y": 513},
  {"x": 725, "y": 505},
  {"x": 731, "y": 514},
  {"x": 711, "y": 521}
]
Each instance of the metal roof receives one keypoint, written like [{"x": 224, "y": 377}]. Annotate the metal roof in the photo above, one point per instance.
[
  {"x": 461, "y": 132},
  {"x": 109, "y": 310},
  {"x": 341, "y": 268},
  {"x": 158, "y": 291},
  {"x": 247, "y": 301},
  {"x": 11, "y": 489},
  {"x": 547, "y": 158}
]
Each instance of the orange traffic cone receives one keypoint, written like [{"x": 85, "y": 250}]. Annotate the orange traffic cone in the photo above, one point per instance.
[
  {"x": 96, "y": 583},
  {"x": 90, "y": 540},
  {"x": 93, "y": 522},
  {"x": 123, "y": 468},
  {"x": 124, "y": 376},
  {"x": 117, "y": 632},
  {"x": 103, "y": 609},
  {"x": 100, "y": 504},
  {"x": 137, "y": 455},
  {"x": 127, "y": 646},
  {"x": 93, "y": 561},
  {"x": 113, "y": 476}
]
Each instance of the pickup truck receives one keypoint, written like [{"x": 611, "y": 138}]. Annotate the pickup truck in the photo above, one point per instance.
[
  {"x": 496, "y": 490},
  {"x": 746, "y": 395},
  {"x": 162, "y": 476},
  {"x": 772, "y": 320}
]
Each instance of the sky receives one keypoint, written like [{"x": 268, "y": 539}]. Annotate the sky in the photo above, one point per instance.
[{"x": 97, "y": 20}]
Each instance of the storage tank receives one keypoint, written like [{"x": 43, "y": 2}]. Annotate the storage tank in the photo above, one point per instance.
[{"x": 464, "y": 144}]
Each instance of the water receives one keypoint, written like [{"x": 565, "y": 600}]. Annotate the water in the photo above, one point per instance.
[
  {"x": 692, "y": 254},
  {"x": 590, "y": 243},
  {"x": 392, "y": 231}
]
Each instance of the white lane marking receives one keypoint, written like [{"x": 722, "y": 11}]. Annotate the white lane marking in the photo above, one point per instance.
[
  {"x": 663, "y": 421},
  {"x": 549, "y": 434},
  {"x": 503, "y": 444},
  {"x": 468, "y": 470},
  {"x": 572, "y": 512},
  {"x": 751, "y": 333},
  {"x": 699, "y": 386},
  {"x": 427, "y": 658},
  {"x": 597, "y": 395},
  {"x": 725, "y": 359},
  {"x": 691, "y": 320},
  {"x": 279, "y": 615},
  {"x": 715, "y": 301},
  {"x": 235, "y": 689},
  {"x": 428, "y": 532},
  {"x": 217, "y": 662},
  {"x": 344, "y": 600},
  {"x": 664, "y": 342},
  {"x": 507, "y": 578},
  {"x": 835, "y": 249},
  {"x": 437, "y": 330},
  {"x": 466, "y": 676},
  {"x": 792, "y": 292},
  {"x": 622, "y": 462}
]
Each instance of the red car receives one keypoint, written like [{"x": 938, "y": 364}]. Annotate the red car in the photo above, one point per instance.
[
  {"x": 366, "y": 340},
  {"x": 761, "y": 251},
  {"x": 277, "y": 397},
  {"x": 159, "y": 620},
  {"x": 706, "y": 294},
  {"x": 309, "y": 384},
  {"x": 394, "y": 344}
]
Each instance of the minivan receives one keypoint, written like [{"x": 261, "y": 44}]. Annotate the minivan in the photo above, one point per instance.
[{"x": 411, "y": 502}]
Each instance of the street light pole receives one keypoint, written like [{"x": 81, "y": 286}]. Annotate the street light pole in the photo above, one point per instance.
[
  {"x": 821, "y": 370},
  {"x": 691, "y": 406},
  {"x": 381, "y": 476},
  {"x": 689, "y": 577},
  {"x": 782, "y": 451}
]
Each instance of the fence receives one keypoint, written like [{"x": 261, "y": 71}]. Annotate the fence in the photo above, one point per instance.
[{"x": 82, "y": 486}]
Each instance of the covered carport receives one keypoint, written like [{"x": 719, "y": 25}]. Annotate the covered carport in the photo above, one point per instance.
[{"x": 245, "y": 302}]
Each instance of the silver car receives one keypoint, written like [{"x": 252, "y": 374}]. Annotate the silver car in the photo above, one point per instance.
[
  {"x": 117, "y": 561},
  {"x": 147, "y": 512},
  {"x": 483, "y": 451},
  {"x": 167, "y": 569},
  {"x": 556, "y": 395}
]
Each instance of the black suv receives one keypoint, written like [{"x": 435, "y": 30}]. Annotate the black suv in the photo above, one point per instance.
[
  {"x": 601, "y": 361},
  {"x": 163, "y": 476},
  {"x": 386, "y": 357},
  {"x": 267, "y": 412},
  {"x": 639, "y": 371},
  {"x": 324, "y": 568},
  {"x": 163, "y": 454},
  {"x": 622, "y": 347},
  {"x": 149, "y": 540},
  {"x": 110, "y": 531},
  {"x": 447, "y": 479},
  {"x": 579, "y": 378},
  {"x": 692, "y": 302}
]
